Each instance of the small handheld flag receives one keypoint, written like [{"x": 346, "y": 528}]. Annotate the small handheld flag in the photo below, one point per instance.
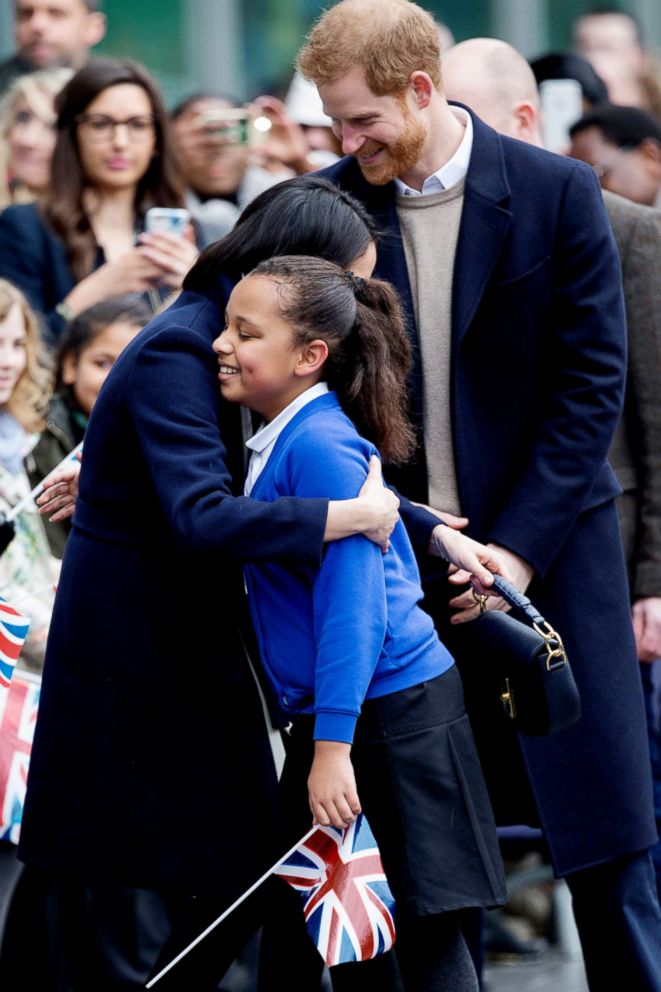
[
  {"x": 14, "y": 629},
  {"x": 365, "y": 877},
  {"x": 347, "y": 902}
]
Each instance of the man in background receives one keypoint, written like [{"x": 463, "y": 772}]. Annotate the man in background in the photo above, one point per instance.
[
  {"x": 52, "y": 32},
  {"x": 611, "y": 39},
  {"x": 623, "y": 146}
]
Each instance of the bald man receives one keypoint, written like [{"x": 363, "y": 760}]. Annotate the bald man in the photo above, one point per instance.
[{"x": 495, "y": 81}]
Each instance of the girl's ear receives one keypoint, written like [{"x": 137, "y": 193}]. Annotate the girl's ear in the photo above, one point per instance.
[
  {"x": 69, "y": 366},
  {"x": 312, "y": 356}
]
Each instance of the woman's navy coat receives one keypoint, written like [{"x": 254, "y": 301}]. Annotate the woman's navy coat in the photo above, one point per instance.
[
  {"x": 151, "y": 764},
  {"x": 537, "y": 377}
]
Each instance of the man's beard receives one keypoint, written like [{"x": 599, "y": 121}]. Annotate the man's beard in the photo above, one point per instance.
[{"x": 395, "y": 159}]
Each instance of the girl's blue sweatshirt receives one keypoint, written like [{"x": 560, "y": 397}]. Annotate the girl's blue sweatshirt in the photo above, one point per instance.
[{"x": 351, "y": 629}]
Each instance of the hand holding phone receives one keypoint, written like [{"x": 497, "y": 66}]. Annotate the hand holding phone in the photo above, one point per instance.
[{"x": 167, "y": 220}]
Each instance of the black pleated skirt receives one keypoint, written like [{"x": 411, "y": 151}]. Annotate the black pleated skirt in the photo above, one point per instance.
[{"x": 421, "y": 788}]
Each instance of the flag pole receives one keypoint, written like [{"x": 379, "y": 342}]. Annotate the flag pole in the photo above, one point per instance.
[
  {"x": 231, "y": 908},
  {"x": 37, "y": 491}
]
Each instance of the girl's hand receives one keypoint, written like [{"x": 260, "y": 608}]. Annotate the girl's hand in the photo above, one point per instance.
[
  {"x": 174, "y": 255},
  {"x": 332, "y": 785},
  {"x": 58, "y": 500}
]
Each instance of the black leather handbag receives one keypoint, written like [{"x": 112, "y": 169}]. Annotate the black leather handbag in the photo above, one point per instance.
[{"x": 537, "y": 687}]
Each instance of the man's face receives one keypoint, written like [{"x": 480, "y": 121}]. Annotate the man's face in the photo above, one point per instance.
[
  {"x": 56, "y": 32},
  {"x": 609, "y": 42},
  {"x": 385, "y": 134},
  {"x": 626, "y": 171}
]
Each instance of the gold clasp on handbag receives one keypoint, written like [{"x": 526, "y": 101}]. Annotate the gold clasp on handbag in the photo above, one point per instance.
[
  {"x": 507, "y": 699},
  {"x": 556, "y": 650},
  {"x": 480, "y": 600}
]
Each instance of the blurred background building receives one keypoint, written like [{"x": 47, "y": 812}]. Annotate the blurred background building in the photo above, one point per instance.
[{"x": 246, "y": 47}]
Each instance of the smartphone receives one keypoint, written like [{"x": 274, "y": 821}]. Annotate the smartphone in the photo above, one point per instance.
[
  {"x": 562, "y": 106},
  {"x": 167, "y": 220},
  {"x": 237, "y": 126}
]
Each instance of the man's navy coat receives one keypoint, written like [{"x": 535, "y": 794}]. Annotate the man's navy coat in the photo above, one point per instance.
[
  {"x": 537, "y": 376},
  {"x": 151, "y": 765}
]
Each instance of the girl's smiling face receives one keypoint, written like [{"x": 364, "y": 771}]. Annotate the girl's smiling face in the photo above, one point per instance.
[
  {"x": 260, "y": 366},
  {"x": 13, "y": 357}
]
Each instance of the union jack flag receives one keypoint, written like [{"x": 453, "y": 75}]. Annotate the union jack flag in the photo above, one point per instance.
[
  {"x": 13, "y": 631},
  {"x": 347, "y": 902},
  {"x": 18, "y": 714}
]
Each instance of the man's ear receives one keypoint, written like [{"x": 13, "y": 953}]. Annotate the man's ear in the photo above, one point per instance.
[
  {"x": 422, "y": 87},
  {"x": 527, "y": 123},
  {"x": 96, "y": 28},
  {"x": 312, "y": 357}
]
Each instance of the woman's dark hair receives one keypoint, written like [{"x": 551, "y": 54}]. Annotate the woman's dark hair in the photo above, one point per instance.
[
  {"x": 568, "y": 65},
  {"x": 62, "y": 205},
  {"x": 306, "y": 215},
  {"x": 369, "y": 353},
  {"x": 83, "y": 329}
]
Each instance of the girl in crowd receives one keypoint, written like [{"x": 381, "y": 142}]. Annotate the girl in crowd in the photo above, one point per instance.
[
  {"x": 27, "y": 570},
  {"x": 27, "y": 134},
  {"x": 375, "y": 701},
  {"x": 85, "y": 241},
  {"x": 88, "y": 349}
]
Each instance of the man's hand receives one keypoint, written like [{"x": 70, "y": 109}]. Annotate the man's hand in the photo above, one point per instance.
[
  {"x": 515, "y": 569},
  {"x": 332, "y": 785},
  {"x": 646, "y": 615}
]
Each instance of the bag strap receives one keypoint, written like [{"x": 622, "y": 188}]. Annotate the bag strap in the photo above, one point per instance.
[
  {"x": 520, "y": 601},
  {"x": 517, "y": 599}
]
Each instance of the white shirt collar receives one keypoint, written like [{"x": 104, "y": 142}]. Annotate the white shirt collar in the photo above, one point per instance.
[
  {"x": 454, "y": 169},
  {"x": 263, "y": 441}
]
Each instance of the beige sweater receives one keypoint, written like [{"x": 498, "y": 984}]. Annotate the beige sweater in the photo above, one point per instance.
[{"x": 430, "y": 227}]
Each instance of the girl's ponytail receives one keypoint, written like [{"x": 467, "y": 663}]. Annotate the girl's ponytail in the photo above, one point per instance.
[{"x": 374, "y": 392}]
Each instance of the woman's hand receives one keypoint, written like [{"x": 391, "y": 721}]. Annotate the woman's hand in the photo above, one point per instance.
[
  {"x": 332, "y": 785},
  {"x": 173, "y": 254},
  {"x": 470, "y": 561},
  {"x": 374, "y": 512},
  {"x": 132, "y": 272},
  {"x": 58, "y": 500},
  {"x": 285, "y": 144}
]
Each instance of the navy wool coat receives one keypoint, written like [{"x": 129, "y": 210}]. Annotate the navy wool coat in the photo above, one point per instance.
[
  {"x": 538, "y": 366},
  {"x": 151, "y": 764}
]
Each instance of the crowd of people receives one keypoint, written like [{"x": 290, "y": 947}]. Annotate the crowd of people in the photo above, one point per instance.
[{"x": 252, "y": 316}]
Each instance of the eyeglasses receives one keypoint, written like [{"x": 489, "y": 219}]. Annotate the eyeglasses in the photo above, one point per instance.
[{"x": 100, "y": 128}]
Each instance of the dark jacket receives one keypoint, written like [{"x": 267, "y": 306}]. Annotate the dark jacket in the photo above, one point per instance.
[
  {"x": 537, "y": 380},
  {"x": 151, "y": 764},
  {"x": 635, "y": 453},
  {"x": 60, "y": 436}
]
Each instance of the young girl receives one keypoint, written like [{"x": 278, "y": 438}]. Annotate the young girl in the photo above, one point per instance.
[
  {"x": 87, "y": 351},
  {"x": 376, "y": 704},
  {"x": 28, "y": 572}
]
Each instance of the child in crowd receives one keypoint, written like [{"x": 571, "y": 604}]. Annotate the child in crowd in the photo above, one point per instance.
[
  {"x": 87, "y": 351},
  {"x": 374, "y": 698},
  {"x": 28, "y": 572}
]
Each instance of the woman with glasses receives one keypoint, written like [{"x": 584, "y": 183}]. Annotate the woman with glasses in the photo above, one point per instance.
[
  {"x": 27, "y": 134},
  {"x": 85, "y": 240}
]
